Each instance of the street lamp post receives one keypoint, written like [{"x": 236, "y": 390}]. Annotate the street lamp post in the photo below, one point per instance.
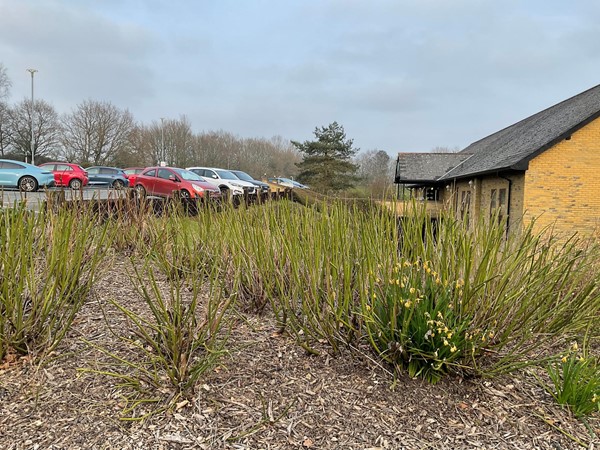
[{"x": 32, "y": 72}]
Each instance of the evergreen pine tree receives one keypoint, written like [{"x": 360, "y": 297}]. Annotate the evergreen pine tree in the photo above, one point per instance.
[{"x": 327, "y": 164}]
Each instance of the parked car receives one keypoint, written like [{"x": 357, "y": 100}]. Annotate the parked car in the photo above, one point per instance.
[
  {"x": 287, "y": 182},
  {"x": 163, "y": 181},
  {"x": 228, "y": 183},
  {"x": 109, "y": 176},
  {"x": 23, "y": 176},
  {"x": 66, "y": 174},
  {"x": 263, "y": 188},
  {"x": 132, "y": 173},
  {"x": 300, "y": 185}
]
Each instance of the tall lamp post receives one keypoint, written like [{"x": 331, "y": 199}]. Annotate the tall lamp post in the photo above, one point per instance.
[{"x": 32, "y": 72}]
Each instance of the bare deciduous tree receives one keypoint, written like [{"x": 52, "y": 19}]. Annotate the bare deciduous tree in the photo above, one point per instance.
[
  {"x": 46, "y": 132},
  {"x": 5, "y": 84},
  {"x": 4, "y": 128},
  {"x": 259, "y": 157},
  {"x": 376, "y": 172},
  {"x": 96, "y": 132},
  {"x": 179, "y": 142},
  {"x": 138, "y": 151},
  {"x": 445, "y": 149}
]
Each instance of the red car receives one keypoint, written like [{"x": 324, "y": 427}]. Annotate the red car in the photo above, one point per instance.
[
  {"x": 132, "y": 173},
  {"x": 66, "y": 174},
  {"x": 163, "y": 181}
]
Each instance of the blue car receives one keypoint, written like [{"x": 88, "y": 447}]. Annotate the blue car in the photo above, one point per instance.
[
  {"x": 23, "y": 176},
  {"x": 108, "y": 176}
]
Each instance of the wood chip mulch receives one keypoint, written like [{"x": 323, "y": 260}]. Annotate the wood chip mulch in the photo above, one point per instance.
[{"x": 268, "y": 393}]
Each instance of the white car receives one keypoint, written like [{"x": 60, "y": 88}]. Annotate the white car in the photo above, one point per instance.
[{"x": 226, "y": 181}]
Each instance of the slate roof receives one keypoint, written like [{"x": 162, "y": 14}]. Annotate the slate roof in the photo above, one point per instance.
[
  {"x": 514, "y": 146},
  {"x": 425, "y": 167}
]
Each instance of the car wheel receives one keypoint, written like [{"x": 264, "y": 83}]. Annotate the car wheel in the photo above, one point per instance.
[
  {"x": 118, "y": 184},
  {"x": 75, "y": 184},
  {"x": 185, "y": 194},
  {"x": 140, "y": 191},
  {"x": 28, "y": 184},
  {"x": 225, "y": 193}
]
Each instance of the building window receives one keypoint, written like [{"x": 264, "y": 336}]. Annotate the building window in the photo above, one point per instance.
[
  {"x": 502, "y": 204},
  {"x": 465, "y": 205},
  {"x": 493, "y": 200},
  {"x": 502, "y": 197}
]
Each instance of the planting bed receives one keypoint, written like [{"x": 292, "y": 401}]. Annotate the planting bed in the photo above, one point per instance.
[{"x": 267, "y": 393}]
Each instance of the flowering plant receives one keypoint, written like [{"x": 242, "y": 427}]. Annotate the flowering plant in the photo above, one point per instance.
[
  {"x": 576, "y": 380},
  {"x": 415, "y": 322}
]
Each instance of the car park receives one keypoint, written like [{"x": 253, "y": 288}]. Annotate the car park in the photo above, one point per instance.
[
  {"x": 23, "y": 176},
  {"x": 132, "y": 173},
  {"x": 164, "y": 181},
  {"x": 108, "y": 176},
  {"x": 67, "y": 174},
  {"x": 228, "y": 183},
  {"x": 262, "y": 188}
]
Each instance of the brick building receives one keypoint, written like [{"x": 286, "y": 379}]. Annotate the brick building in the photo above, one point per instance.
[{"x": 546, "y": 166}]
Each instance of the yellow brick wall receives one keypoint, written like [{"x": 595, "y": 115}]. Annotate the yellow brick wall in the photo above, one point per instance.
[
  {"x": 514, "y": 190},
  {"x": 562, "y": 185},
  {"x": 481, "y": 189}
]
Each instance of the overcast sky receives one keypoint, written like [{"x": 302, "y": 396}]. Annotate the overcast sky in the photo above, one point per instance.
[{"x": 398, "y": 75}]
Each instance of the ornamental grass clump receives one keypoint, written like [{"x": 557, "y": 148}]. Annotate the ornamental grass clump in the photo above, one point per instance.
[
  {"x": 182, "y": 331},
  {"x": 49, "y": 264},
  {"x": 414, "y": 320},
  {"x": 310, "y": 264}
]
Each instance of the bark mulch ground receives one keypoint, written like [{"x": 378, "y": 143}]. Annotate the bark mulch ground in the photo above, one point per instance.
[{"x": 267, "y": 393}]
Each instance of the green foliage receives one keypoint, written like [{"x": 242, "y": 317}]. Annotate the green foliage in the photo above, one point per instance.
[
  {"x": 327, "y": 165},
  {"x": 431, "y": 298},
  {"x": 414, "y": 320},
  {"x": 180, "y": 336},
  {"x": 523, "y": 291},
  {"x": 576, "y": 381},
  {"x": 315, "y": 267},
  {"x": 49, "y": 263}
]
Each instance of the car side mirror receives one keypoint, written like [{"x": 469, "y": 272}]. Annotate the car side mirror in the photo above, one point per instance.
[{"x": 173, "y": 178}]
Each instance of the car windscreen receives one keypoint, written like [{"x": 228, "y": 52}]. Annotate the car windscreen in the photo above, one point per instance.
[
  {"x": 189, "y": 176},
  {"x": 243, "y": 175},
  {"x": 226, "y": 175}
]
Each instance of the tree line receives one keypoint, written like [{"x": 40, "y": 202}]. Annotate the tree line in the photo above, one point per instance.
[{"x": 99, "y": 133}]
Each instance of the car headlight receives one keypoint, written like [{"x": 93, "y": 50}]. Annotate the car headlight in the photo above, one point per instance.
[{"x": 197, "y": 188}]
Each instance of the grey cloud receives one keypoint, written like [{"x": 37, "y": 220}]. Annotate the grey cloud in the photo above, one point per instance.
[{"x": 79, "y": 54}]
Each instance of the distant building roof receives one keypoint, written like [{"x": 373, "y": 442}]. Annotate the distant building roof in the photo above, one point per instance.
[
  {"x": 426, "y": 167},
  {"x": 514, "y": 146}
]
